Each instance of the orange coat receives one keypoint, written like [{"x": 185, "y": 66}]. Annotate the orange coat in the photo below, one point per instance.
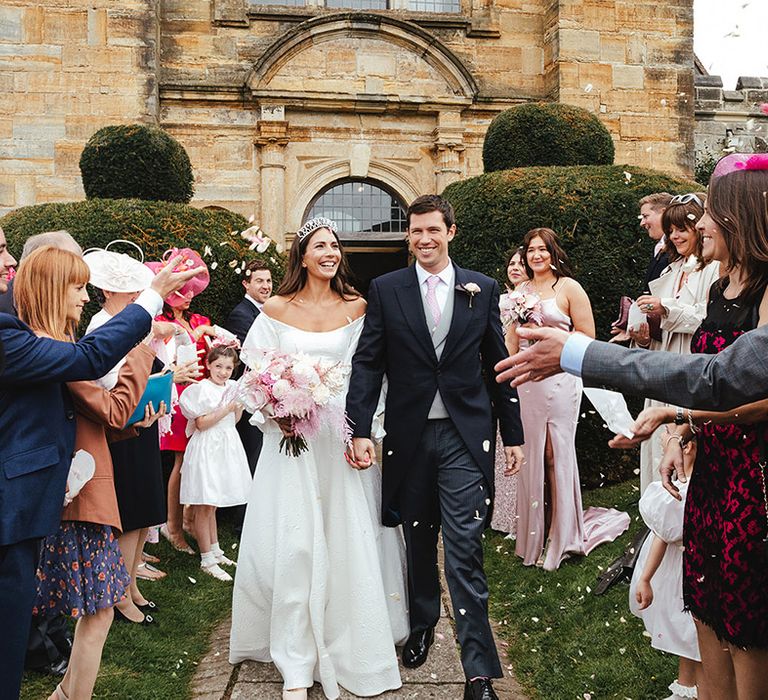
[{"x": 101, "y": 416}]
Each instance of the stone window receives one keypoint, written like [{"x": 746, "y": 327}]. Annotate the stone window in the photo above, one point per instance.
[{"x": 363, "y": 210}]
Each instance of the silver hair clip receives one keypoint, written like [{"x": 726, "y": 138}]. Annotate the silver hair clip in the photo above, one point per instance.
[{"x": 313, "y": 224}]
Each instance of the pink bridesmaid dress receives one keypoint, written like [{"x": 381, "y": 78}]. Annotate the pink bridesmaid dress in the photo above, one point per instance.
[{"x": 552, "y": 405}]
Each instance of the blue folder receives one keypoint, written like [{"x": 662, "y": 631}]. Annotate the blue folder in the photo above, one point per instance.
[{"x": 158, "y": 389}]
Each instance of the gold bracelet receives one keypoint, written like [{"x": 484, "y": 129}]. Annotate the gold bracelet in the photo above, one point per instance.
[{"x": 677, "y": 437}]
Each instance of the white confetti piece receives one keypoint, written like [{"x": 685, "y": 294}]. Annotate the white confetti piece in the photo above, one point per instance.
[
  {"x": 487, "y": 501},
  {"x": 486, "y": 445},
  {"x": 462, "y": 611},
  {"x": 415, "y": 523},
  {"x": 192, "y": 580},
  {"x": 214, "y": 265},
  {"x": 588, "y": 87}
]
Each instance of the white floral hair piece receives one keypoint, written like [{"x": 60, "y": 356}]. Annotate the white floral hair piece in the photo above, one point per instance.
[{"x": 313, "y": 224}]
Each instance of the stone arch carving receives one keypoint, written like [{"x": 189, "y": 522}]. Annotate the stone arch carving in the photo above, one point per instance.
[{"x": 459, "y": 82}]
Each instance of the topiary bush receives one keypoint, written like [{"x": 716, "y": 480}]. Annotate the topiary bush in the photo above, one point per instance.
[
  {"x": 594, "y": 210},
  {"x": 546, "y": 133},
  {"x": 136, "y": 161},
  {"x": 155, "y": 227}
]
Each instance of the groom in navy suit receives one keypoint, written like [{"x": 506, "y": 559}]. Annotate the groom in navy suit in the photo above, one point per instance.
[
  {"x": 434, "y": 330},
  {"x": 37, "y": 425}
]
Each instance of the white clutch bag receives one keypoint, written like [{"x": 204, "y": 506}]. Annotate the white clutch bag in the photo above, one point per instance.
[
  {"x": 635, "y": 317},
  {"x": 80, "y": 473}
]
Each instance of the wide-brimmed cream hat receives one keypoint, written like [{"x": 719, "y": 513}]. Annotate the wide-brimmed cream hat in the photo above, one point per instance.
[{"x": 117, "y": 272}]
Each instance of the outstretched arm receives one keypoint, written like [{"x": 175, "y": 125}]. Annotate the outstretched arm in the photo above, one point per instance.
[{"x": 731, "y": 378}]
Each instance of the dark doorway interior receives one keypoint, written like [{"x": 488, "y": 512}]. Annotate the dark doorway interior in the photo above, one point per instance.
[{"x": 369, "y": 259}]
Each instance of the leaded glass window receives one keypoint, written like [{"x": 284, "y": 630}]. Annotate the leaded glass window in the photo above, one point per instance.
[{"x": 362, "y": 210}]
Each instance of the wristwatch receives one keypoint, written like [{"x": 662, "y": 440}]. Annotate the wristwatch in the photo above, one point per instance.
[{"x": 679, "y": 416}]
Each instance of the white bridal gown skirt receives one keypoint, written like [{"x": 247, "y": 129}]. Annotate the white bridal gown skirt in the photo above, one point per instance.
[{"x": 320, "y": 586}]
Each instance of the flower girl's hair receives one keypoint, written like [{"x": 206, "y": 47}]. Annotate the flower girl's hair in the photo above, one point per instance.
[{"x": 219, "y": 351}]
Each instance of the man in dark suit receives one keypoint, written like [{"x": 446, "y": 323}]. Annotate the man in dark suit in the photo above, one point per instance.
[
  {"x": 37, "y": 424},
  {"x": 258, "y": 288},
  {"x": 433, "y": 329},
  {"x": 651, "y": 209}
]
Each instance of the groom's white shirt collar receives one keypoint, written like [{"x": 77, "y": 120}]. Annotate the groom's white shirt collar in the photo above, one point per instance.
[{"x": 447, "y": 274}]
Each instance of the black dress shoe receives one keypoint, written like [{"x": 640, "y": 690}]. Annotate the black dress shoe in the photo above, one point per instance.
[
  {"x": 416, "y": 649},
  {"x": 54, "y": 668},
  {"x": 480, "y": 689}
]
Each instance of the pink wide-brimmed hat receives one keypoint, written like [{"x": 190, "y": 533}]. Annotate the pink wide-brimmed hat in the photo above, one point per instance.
[
  {"x": 734, "y": 162},
  {"x": 189, "y": 260}
]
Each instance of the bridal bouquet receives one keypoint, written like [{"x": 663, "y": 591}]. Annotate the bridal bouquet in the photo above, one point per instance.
[
  {"x": 296, "y": 390},
  {"x": 519, "y": 307}
]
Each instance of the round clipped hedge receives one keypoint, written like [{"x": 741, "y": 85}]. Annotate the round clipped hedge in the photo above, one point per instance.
[
  {"x": 594, "y": 210},
  {"x": 136, "y": 161},
  {"x": 155, "y": 227},
  {"x": 546, "y": 133}
]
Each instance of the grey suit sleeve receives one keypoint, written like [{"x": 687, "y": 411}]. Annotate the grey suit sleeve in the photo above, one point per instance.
[{"x": 736, "y": 376}]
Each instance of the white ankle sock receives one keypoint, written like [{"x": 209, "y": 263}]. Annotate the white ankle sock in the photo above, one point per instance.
[
  {"x": 207, "y": 558},
  {"x": 216, "y": 549}
]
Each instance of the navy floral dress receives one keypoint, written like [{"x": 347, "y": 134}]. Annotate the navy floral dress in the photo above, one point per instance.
[
  {"x": 81, "y": 570},
  {"x": 725, "y": 563}
]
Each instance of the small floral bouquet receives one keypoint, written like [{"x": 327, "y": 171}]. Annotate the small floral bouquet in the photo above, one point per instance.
[
  {"x": 298, "y": 391},
  {"x": 519, "y": 307}
]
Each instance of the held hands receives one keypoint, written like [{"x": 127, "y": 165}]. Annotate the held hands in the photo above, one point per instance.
[
  {"x": 361, "y": 454},
  {"x": 151, "y": 416},
  {"x": 514, "y": 458},
  {"x": 536, "y": 362},
  {"x": 644, "y": 594},
  {"x": 166, "y": 282}
]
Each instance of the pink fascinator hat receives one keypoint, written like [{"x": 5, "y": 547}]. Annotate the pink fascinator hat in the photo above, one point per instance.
[
  {"x": 734, "y": 162},
  {"x": 189, "y": 260}
]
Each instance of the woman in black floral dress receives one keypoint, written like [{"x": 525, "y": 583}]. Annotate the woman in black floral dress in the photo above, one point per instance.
[{"x": 725, "y": 582}]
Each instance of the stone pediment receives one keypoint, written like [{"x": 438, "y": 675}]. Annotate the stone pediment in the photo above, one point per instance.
[{"x": 373, "y": 62}]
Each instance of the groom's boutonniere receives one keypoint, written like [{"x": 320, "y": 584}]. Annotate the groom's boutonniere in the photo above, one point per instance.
[{"x": 469, "y": 288}]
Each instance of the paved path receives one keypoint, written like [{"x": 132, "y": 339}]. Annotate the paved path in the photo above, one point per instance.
[{"x": 441, "y": 678}]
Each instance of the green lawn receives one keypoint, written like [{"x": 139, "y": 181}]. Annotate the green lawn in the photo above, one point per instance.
[
  {"x": 565, "y": 642},
  {"x": 158, "y": 661}
]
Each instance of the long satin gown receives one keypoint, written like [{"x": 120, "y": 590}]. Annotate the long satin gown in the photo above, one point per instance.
[
  {"x": 552, "y": 406},
  {"x": 320, "y": 588}
]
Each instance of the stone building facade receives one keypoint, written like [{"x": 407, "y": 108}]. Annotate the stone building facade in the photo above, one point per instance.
[
  {"x": 730, "y": 119},
  {"x": 279, "y": 102}
]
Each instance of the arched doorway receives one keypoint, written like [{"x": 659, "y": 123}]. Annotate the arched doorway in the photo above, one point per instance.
[{"x": 372, "y": 223}]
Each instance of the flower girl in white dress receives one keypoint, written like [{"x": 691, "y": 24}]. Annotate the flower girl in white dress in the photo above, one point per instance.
[
  {"x": 320, "y": 584},
  {"x": 214, "y": 473},
  {"x": 656, "y": 590}
]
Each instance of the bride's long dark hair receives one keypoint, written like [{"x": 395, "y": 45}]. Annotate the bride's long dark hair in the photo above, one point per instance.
[{"x": 296, "y": 275}]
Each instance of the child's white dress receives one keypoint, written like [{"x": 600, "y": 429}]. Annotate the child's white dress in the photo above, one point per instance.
[
  {"x": 215, "y": 467},
  {"x": 671, "y": 628}
]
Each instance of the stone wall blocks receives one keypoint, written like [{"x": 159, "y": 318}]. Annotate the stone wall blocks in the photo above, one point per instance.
[{"x": 11, "y": 24}]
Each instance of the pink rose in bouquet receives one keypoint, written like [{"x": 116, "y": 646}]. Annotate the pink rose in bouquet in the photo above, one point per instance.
[
  {"x": 519, "y": 307},
  {"x": 299, "y": 392}
]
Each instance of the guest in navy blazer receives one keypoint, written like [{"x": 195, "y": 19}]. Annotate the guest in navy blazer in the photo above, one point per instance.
[
  {"x": 38, "y": 429},
  {"x": 258, "y": 288}
]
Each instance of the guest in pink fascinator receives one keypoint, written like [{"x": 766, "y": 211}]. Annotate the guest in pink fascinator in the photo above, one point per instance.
[{"x": 195, "y": 329}]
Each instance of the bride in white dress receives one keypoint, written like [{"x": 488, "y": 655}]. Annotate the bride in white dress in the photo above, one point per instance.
[{"x": 320, "y": 586}]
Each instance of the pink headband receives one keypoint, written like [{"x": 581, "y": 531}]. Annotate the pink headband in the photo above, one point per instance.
[{"x": 734, "y": 162}]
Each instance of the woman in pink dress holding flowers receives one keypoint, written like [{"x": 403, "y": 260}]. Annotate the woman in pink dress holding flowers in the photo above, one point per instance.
[{"x": 551, "y": 524}]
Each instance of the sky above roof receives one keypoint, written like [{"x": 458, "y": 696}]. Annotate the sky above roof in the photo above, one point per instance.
[{"x": 729, "y": 38}]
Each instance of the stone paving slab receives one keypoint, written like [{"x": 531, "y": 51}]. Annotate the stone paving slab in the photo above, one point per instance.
[{"x": 440, "y": 678}]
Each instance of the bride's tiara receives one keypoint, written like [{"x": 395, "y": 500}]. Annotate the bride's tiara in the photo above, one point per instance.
[{"x": 313, "y": 224}]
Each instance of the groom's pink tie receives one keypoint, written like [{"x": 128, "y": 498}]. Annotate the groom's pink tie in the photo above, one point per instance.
[{"x": 432, "y": 305}]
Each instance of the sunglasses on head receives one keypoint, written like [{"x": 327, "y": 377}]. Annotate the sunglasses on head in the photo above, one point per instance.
[{"x": 685, "y": 198}]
